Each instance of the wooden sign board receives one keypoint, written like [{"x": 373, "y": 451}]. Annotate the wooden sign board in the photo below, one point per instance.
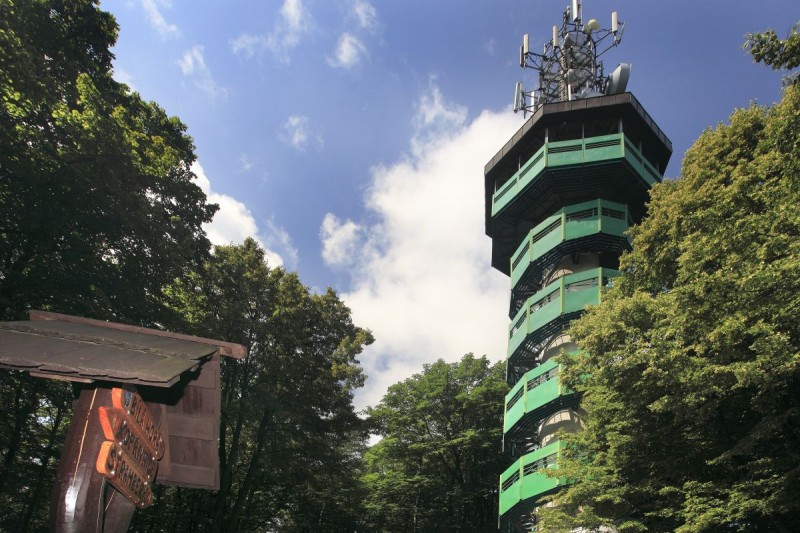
[
  {"x": 165, "y": 432},
  {"x": 190, "y": 416}
]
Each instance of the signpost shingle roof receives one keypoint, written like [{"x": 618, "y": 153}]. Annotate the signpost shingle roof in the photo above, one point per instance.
[{"x": 75, "y": 349}]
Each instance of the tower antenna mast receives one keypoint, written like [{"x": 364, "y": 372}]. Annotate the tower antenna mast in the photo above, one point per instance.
[{"x": 569, "y": 66}]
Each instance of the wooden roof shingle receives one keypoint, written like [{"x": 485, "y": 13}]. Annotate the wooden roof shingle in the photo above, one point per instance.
[{"x": 79, "y": 349}]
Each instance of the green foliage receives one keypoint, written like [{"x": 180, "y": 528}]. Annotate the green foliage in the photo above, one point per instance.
[
  {"x": 99, "y": 216},
  {"x": 289, "y": 438},
  {"x": 98, "y": 212},
  {"x": 436, "y": 468},
  {"x": 691, "y": 375},
  {"x": 99, "y": 208},
  {"x": 778, "y": 53}
]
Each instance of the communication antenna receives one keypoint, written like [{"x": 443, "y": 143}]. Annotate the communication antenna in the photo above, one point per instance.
[{"x": 569, "y": 66}]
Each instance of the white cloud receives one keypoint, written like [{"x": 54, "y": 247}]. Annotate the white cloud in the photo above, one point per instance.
[
  {"x": 421, "y": 278},
  {"x": 248, "y": 45},
  {"x": 193, "y": 65},
  {"x": 277, "y": 238},
  {"x": 349, "y": 51},
  {"x": 365, "y": 14},
  {"x": 123, "y": 76},
  {"x": 157, "y": 20},
  {"x": 193, "y": 61},
  {"x": 294, "y": 21},
  {"x": 435, "y": 119},
  {"x": 244, "y": 163},
  {"x": 339, "y": 240},
  {"x": 296, "y": 132},
  {"x": 294, "y": 14},
  {"x": 234, "y": 222}
]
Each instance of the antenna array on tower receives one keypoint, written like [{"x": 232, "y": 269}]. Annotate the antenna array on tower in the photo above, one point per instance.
[{"x": 568, "y": 66}]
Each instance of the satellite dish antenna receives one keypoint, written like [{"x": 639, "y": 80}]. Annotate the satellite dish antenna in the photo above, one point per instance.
[
  {"x": 591, "y": 26},
  {"x": 618, "y": 80}
]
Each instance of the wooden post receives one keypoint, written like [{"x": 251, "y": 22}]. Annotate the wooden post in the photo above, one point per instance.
[
  {"x": 107, "y": 465},
  {"x": 82, "y": 500}
]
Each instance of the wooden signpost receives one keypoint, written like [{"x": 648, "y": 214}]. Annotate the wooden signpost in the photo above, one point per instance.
[{"x": 147, "y": 411}]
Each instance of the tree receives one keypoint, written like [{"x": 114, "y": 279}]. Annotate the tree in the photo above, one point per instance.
[
  {"x": 437, "y": 465},
  {"x": 777, "y": 53},
  {"x": 98, "y": 212},
  {"x": 98, "y": 208},
  {"x": 35, "y": 419},
  {"x": 289, "y": 436},
  {"x": 691, "y": 370}
]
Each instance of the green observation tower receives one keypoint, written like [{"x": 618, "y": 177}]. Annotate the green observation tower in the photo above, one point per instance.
[{"x": 560, "y": 196}]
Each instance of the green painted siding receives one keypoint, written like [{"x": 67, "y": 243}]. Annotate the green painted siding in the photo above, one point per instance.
[
  {"x": 568, "y": 294},
  {"x": 605, "y": 148},
  {"x": 607, "y": 217},
  {"x": 526, "y": 480}
]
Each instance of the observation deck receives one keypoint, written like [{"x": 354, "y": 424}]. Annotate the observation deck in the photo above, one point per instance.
[
  {"x": 551, "y": 308},
  {"x": 596, "y": 226},
  {"x": 538, "y": 394},
  {"x": 559, "y": 198},
  {"x": 570, "y": 152},
  {"x": 526, "y": 480}
]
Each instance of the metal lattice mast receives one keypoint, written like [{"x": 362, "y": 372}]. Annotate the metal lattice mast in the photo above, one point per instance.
[{"x": 569, "y": 66}]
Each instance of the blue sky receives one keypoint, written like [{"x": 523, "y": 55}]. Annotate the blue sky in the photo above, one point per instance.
[{"x": 349, "y": 136}]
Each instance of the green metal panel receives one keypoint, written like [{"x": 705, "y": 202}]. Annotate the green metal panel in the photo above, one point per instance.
[
  {"x": 580, "y": 151},
  {"x": 532, "y": 398},
  {"x": 601, "y": 148},
  {"x": 605, "y": 148},
  {"x": 550, "y": 240},
  {"x": 583, "y": 227},
  {"x": 642, "y": 165},
  {"x": 556, "y": 229},
  {"x": 542, "y": 237},
  {"x": 565, "y": 295},
  {"x": 527, "y": 173},
  {"x": 518, "y": 409},
  {"x": 609, "y": 218},
  {"x": 530, "y": 485}
]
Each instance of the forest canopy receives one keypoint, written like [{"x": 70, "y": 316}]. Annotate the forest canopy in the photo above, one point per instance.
[
  {"x": 100, "y": 216},
  {"x": 100, "y": 209}
]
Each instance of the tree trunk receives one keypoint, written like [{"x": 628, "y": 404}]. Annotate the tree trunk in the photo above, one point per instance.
[
  {"x": 35, "y": 497},
  {"x": 227, "y": 465},
  {"x": 252, "y": 468},
  {"x": 26, "y": 396}
]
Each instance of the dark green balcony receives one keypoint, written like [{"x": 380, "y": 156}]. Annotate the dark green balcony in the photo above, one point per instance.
[
  {"x": 563, "y": 173},
  {"x": 538, "y": 394},
  {"x": 589, "y": 153},
  {"x": 525, "y": 480},
  {"x": 566, "y": 153},
  {"x": 551, "y": 308},
  {"x": 596, "y": 226}
]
